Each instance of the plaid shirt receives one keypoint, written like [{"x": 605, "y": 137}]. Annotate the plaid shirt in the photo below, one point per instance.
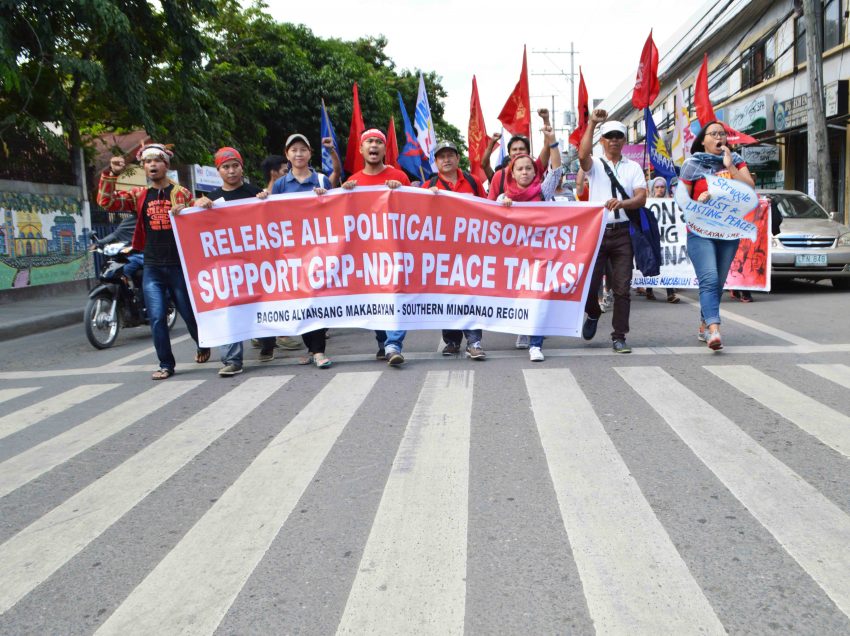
[{"x": 114, "y": 200}]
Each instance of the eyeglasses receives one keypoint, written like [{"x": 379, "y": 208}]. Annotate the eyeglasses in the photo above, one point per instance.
[
  {"x": 614, "y": 135},
  {"x": 717, "y": 134}
]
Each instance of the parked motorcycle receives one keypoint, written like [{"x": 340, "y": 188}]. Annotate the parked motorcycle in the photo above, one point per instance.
[{"x": 114, "y": 303}]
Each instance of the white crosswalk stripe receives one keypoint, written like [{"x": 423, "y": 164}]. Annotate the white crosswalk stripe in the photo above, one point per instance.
[
  {"x": 828, "y": 425},
  {"x": 19, "y": 420},
  {"x": 634, "y": 580},
  {"x": 634, "y": 577}
]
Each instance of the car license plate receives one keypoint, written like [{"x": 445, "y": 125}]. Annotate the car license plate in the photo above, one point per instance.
[{"x": 807, "y": 260}]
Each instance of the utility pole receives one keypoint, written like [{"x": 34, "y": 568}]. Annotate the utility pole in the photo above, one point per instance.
[
  {"x": 818, "y": 147},
  {"x": 571, "y": 77}
]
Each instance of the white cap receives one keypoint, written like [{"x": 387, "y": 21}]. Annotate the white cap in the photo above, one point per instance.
[{"x": 612, "y": 125}]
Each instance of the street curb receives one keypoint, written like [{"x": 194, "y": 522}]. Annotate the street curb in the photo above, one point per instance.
[{"x": 38, "y": 324}]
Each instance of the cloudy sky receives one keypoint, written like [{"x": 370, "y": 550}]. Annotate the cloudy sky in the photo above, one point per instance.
[{"x": 459, "y": 39}]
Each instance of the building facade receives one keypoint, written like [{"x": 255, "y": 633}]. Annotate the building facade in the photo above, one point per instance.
[{"x": 758, "y": 84}]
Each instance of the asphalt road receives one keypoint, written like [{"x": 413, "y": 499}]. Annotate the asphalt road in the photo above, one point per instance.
[{"x": 669, "y": 491}]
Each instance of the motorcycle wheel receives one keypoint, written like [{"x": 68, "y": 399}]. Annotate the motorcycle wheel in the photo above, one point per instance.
[
  {"x": 100, "y": 330},
  {"x": 172, "y": 315}
]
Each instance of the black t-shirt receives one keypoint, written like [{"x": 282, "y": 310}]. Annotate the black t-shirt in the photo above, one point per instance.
[
  {"x": 245, "y": 191},
  {"x": 160, "y": 244}
]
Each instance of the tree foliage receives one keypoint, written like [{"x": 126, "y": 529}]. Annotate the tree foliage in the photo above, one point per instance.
[{"x": 196, "y": 73}]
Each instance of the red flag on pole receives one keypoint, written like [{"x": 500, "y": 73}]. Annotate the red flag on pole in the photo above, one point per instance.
[
  {"x": 477, "y": 135},
  {"x": 647, "y": 86},
  {"x": 516, "y": 113},
  {"x": 391, "y": 158},
  {"x": 583, "y": 111},
  {"x": 353, "y": 158},
  {"x": 705, "y": 111}
]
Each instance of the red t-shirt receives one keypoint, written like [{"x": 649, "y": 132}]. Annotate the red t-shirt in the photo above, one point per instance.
[
  {"x": 387, "y": 174},
  {"x": 461, "y": 185}
]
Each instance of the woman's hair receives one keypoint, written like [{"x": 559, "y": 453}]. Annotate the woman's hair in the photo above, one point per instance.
[{"x": 698, "y": 143}]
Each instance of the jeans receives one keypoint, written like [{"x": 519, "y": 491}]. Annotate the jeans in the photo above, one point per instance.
[
  {"x": 456, "y": 335},
  {"x": 711, "y": 259},
  {"x": 394, "y": 341},
  {"x": 158, "y": 283},
  {"x": 535, "y": 341},
  {"x": 616, "y": 248},
  {"x": 134, "y": 263}
]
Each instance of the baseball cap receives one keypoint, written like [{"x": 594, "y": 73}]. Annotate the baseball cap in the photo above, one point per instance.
[
  {"x": 445, "y": 144},
  {"x": 297, "y": 137},
  {"x": 612, "y": 126}
]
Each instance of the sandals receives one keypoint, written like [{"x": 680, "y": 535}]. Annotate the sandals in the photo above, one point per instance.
[
  {"x": 162, "y": 374},
  {"x": 672, "y": 298},
  {"x": 650, "y": 295},
  {"x": 319, "y": 359},
  {"x": 202, "y": 355}
]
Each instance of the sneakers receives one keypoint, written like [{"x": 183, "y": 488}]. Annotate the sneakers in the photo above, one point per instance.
[
  {"x": 229, "y": 370},
  {"x": 701, "y": 332},
  {"x": 289, "y": 343},
  {"x": 713, "y": 341},
  {"x": 535, "y": 354},
  {"x": 620, "y": 346},
  {"x": 395, "y": 359},
  {"x": 475, "y": 351},
  {"x": 381, "y": 354},
  {"x": 521, "y": 342},
  {"x": 266, "y": 355},
  {"x": 588, "y": 330},
  {"x": 451, "y": 349}
]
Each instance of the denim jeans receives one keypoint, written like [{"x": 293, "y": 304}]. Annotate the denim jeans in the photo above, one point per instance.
[
  {"x": 158, "y": 283},
  {"x": 711, "y": 259},
  {"x": 134, "y": 263},
  {"x": 456, "y": 335},
  {"x": 394, "y": 341},
  {"x": 535, "y": 341}
]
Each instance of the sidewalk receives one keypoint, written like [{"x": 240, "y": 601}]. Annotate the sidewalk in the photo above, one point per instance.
[{"x": 23, "y": 314}]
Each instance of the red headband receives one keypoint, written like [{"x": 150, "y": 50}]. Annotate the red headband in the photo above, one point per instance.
[
  {"x": 373, "y": 132},
  {"x": 227, "y": 153}
]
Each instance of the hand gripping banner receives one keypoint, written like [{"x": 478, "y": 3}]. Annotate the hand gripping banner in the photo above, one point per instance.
[{"x": 387, "y": 259}]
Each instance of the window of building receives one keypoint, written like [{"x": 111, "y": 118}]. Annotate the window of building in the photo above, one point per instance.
[
  {"x": 752, "y": 66},
  {"x": 832, "y": 29}
]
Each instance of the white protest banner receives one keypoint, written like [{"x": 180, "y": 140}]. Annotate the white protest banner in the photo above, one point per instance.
[
  {"x": 722, "y": 216},
  {"x": 387, "y": 259}
]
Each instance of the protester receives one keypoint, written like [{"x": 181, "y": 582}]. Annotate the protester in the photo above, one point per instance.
[
  {"x": 302, "y": 178},
  {"x": 543, "y": 158},
  {"x": 273, "y": 167},
  {"x": 711, "y": 257},
  {"x": 228, "y": 162},
  {"x": 525, "y": 182},
  {"x": 450, "y": 177},
  {"x": 629, "y": 193},
  {"x": 659, "y": 191},
  {"x": 373, "y": 147},
  {"x": 163, "y": 276}
]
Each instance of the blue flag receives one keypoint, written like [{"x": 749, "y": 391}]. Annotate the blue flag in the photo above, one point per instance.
[
  {"x": 659, "y": 156},
  {"x": 410, "y": 157},
  {"x": 327, "y": 130}
]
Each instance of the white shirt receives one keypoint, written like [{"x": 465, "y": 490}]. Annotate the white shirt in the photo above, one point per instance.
[{"x": 628, "y": 173}]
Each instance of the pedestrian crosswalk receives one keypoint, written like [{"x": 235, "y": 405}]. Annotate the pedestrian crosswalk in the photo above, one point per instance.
[{"x": 409, "y": 574}]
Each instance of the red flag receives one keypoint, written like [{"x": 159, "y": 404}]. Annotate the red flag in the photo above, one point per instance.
[
  {"x": 705, "y": 112},
  {"x": 646, "y": 81},
  {"x": 516, "y": 113},
  {"x": 353, "y": 158},
  {"x": 477, "y": 135},
  {"x": 392, "y": 145},
  {"x": 583, "y": 111}
]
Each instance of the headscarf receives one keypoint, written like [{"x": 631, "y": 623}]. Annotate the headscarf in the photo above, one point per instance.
[
  {"x": 514, "y": 191},
  {"x": 702, "y": 164},
  {"x": 155, "y": 151},
  {"x": 226, "y": 154}
]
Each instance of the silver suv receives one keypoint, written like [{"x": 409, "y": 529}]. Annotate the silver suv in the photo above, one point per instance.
[{"x": 809, "y": 243}]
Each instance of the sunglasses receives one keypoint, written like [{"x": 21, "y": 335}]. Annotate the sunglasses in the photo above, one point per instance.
[{"x": 614, "y": 135}]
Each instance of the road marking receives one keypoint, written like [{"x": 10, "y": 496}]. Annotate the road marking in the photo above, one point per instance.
[
  {"x": 37, "y": 551},
  {"x": 759, "y": 326},
  {"x": 26, "y": 417},
  {"x": 412, "y": 576},
  {"x": 11, "y": 394},
  {"x": 22, "y": 468},
  {"x": 812, "y": 529},
  {"x": 146, "y": 351},
  {"x": 191, "y": 589},
  {"x": 826, "y": 424},
  {"x": 838, "y": 373},
  {"x": 634, "y": 580}
]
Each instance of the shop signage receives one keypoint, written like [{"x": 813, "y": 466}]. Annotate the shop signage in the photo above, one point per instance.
[
  {"x": 754, "y": 116},
  {"x": 835, "y": 98},
  {"x": 206, "y": 178},
  {"x": 763, "y": 156},
  {"x": 791, "y": 113}
]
